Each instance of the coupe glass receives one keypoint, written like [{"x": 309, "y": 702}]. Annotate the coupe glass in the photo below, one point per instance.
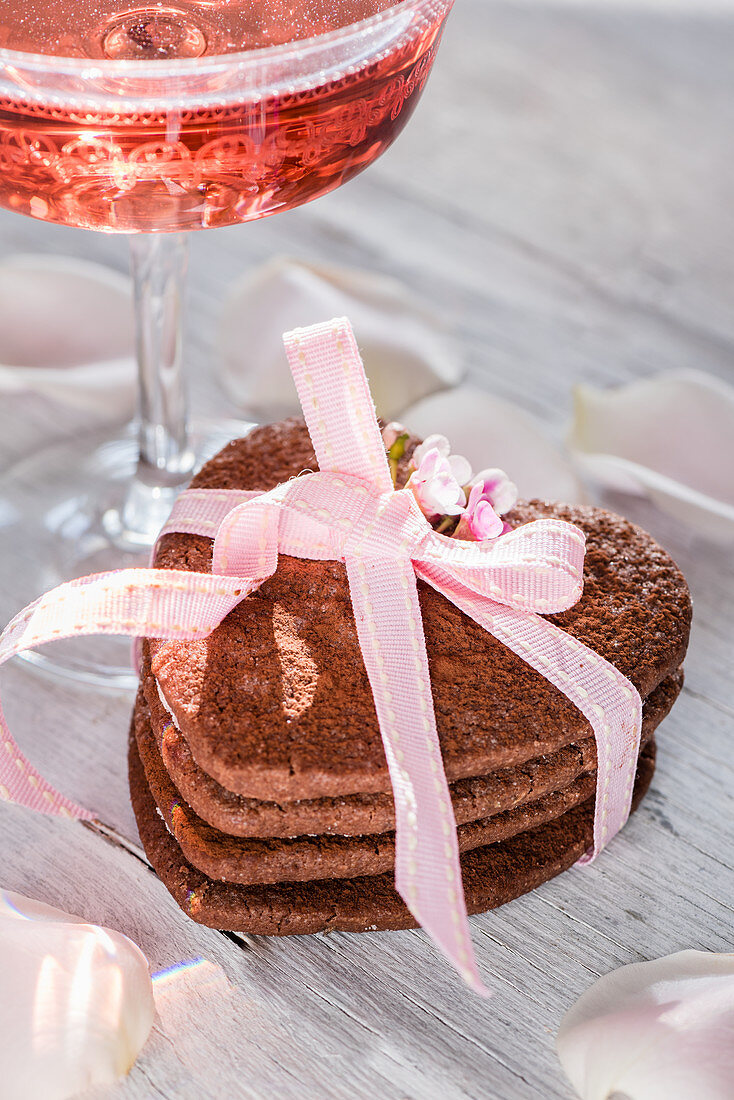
[{"x": 151, "y": 125}]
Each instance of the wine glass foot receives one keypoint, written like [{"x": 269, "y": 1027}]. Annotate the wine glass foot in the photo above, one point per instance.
[{"x": 73, "y": 509}]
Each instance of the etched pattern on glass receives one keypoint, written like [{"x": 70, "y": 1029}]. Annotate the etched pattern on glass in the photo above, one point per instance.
[{"x": 210, "y": 167}]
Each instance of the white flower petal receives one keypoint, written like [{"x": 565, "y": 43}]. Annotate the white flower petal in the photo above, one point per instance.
[
  {"x": 489, "y": 430},
  {"x": 460, "y": 468},
  {"x": 435, "y": 488},
  {"x": 504, "y": 492},
  {"x": 77, "y": 1002},
  {"x": 661, "y": 1030},
  {"x": 403, "y": 345},
  {"x": 670, "y": 437},
  {"x": 431, "y": 443}
]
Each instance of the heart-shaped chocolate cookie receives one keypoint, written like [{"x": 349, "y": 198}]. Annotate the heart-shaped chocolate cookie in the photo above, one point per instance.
[{"x": 260, "y": 744}]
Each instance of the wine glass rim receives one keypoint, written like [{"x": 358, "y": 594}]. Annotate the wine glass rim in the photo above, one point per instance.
[{"x": 315, "y": 45}]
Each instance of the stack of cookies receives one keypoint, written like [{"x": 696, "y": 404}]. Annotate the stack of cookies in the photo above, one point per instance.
[{"x": 257, "y": 771}]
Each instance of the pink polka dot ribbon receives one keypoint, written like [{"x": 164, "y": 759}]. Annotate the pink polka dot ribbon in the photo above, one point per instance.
[{"x": 350, "y": 511}]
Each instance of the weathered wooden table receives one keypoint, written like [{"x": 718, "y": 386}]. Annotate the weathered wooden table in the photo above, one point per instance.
[{"x": 563, "y": 199}]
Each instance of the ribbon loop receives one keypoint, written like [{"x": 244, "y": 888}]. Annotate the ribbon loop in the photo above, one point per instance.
[
  {"x": 337, "y": 403},
  {"x": 246, "y": 544},
  {"x": 537, "y": 567},
  {"x": 201, "y": 511},
  {"x": 137, "y": 602}
]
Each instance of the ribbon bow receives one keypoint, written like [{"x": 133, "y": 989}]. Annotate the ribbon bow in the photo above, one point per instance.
[{"x": 350, "y": 511}]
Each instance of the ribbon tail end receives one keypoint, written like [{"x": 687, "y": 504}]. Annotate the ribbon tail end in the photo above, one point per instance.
[
  {"x": 463, "y": 962},
  {"x": 467, "y": 970},
  {"x": 477, "y": 986}
]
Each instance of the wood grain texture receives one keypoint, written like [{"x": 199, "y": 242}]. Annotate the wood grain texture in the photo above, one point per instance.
[{"x": 562, "y": 198}]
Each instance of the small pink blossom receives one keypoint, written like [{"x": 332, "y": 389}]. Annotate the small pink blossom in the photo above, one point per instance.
[
  {"x": 435, "y": 487},
  {"x": 460, "y": 466},
  {"x": 491, "y": 495},
  {"x": 497, "y": 489},
  {"x": 479, "y": 521}
]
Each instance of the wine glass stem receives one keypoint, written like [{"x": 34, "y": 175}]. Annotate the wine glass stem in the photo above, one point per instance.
[
  {"x": 165, "y": 462},
  {"x": 159, "y": 262}
]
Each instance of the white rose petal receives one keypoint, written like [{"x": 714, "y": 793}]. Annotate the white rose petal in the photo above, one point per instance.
[
  {"x": 77, "y": 1002},
  {"x": 404, "y": 347},
  {"x": 66, "y": 340},
  {"x": 489, "y": 430},
  {"x": 670, "y": 438},
  {"x": 661, "y": 1030}
]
